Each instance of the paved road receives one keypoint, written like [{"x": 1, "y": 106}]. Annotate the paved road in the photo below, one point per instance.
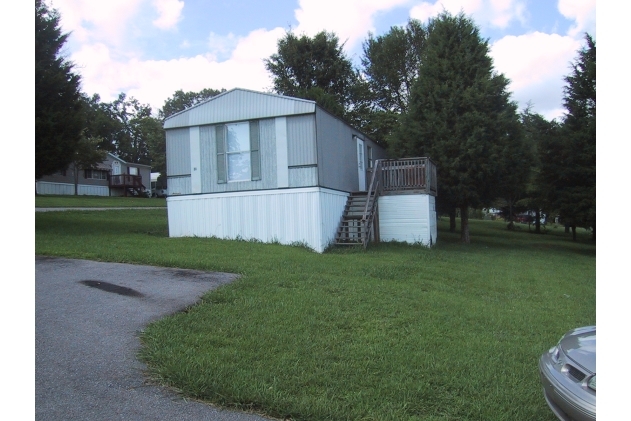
[{"x": 87, "y": 319}]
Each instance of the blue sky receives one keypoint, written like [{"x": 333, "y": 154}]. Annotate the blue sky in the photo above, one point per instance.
[{"x": 151, "y": 48}]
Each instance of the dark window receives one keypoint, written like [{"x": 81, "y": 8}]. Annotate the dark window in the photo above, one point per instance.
[{"x": 96, "y": 174}]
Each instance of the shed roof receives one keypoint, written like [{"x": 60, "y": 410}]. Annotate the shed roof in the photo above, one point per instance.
[{"x": 239, "y": 104}]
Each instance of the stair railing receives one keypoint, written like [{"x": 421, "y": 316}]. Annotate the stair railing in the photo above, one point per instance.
[{"x": 372, "y": 197}]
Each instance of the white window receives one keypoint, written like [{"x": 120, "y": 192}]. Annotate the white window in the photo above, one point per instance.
[
  {"x": 132, "y": 170},
  {"x": 238, "y": 157},
  {"x": 238, "y": 151}
]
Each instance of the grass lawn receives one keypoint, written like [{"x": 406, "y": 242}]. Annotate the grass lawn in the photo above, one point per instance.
[
  {"x": 396, "y": 332},
  {"x": 58, "y": 201}
]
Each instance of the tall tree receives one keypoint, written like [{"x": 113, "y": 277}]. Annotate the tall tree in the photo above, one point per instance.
[
  {"x": 580, "y": 131},
  {"x": 316, "y": 69},
  {"x": 390, "y": 66},
  {"x": 569, "y": 158},
  {"x": 58, "y": 104},
  {"x": 460, "y": 114},
  {"x": 391, "y": 63}
]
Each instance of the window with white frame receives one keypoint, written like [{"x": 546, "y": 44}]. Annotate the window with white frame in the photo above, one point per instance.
[{"x": 238, "y": 157}]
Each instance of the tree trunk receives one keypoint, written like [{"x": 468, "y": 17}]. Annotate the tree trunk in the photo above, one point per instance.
[
  {"x": 452, "y": 220},
  {"x": 573, "y": 232},
  {"x": 538, "y": 221},
  {"x": 464, "y": 224}
]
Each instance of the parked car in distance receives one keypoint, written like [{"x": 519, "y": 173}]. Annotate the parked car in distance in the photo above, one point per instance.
[{"x": 568, "y": 375}]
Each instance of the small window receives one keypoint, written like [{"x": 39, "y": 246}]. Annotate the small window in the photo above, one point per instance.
[
  {"x": 132, "y": 170},
  {"x": 96, "y": 174},
  {"x": 370, "y": 157}
]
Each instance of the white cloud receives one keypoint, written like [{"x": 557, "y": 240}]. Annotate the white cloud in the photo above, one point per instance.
[
  {"x": 153, "y": 81},
  {"x": 91, "y": 21},
  {"x": 492, "y": 13},
  {"x": 222, "y": 45},
  {"x": 351, "y": 20},
  {"x": 170, "y": 13},
  {"x": 583, "y": 12},
  {"x": 536, "y": 64}
]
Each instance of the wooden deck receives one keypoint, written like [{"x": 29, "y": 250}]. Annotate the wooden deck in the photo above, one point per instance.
[
  {"x": 389, "y": 177},
  {"x": 127, "y": 182}
]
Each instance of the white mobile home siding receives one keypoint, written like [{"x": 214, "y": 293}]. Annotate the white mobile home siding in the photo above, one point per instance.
[
  {"x": 308, "y": 215},
  {"x": 409, "y": 218}
]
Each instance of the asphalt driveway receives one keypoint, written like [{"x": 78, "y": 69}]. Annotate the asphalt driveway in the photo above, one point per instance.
[{"x": 87, "y": 319}]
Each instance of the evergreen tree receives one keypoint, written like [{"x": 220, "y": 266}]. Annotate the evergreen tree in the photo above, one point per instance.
[
  {"x": 578, "y": 199},
  {"x": 568, "y": 159},
  {"x": 460, "y": 115},
  {"x": 58, "y": 106}
]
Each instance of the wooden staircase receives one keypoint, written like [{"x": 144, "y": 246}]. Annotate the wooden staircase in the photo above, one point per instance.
[
  {"x": 360, "y": 220},
  {"x": 350, "y": 231},
  {"x": 356, "y": 223}
]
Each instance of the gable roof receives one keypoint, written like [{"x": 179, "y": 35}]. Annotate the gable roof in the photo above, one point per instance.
[
  {"x": 117, "y": 158},
  {"x": 239, "y": 104}
]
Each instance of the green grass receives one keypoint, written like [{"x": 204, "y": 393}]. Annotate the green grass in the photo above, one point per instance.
[
  {"x": 396, "y": 332},
  {"x": 58, "y": 201}
]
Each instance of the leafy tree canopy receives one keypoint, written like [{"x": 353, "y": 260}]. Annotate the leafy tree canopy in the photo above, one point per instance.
[
  {"x": 58, "y": 105},
  {"x": 314, "y": 68},
  {"x": 391, "y": 63}
]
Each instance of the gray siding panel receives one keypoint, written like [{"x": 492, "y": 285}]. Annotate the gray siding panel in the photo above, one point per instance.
[
  {"x": 178, "y": 152},
  {"x": 179, "y": 185},
  {"x": 301, "y": 135},
  {"x": 303, "y": 177},
  {"x": 239, "y": 105},
  {"x": 337, "y": 155}
]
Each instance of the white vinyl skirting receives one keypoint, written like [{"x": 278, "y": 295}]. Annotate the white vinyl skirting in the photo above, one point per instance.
[
  {"x": 46, "y": 187},
  {"x": 309, "y": 216},
  {"x": 409, "y": 218}
]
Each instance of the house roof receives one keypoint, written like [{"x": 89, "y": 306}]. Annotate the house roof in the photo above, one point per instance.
[
  {"x": 239, "y": 104},
  {"x": 117, "y": 158}
]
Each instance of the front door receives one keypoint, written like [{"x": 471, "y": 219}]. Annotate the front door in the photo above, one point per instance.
[
  {"x": 116, "y": 168},
  {"x": 361, "y": 165}
]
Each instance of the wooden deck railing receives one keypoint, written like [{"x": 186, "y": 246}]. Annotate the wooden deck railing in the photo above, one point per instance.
[
  {"x": 403, "y": 175},
  {"x": 126, "y": 180}
]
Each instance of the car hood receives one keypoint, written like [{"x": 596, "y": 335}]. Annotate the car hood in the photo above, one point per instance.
[{"x": 580, "y": 345}]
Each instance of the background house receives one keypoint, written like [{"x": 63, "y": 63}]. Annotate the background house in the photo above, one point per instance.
[
  {"x": 262, "y": 166},
  {"x": 112, "y": 177}
]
